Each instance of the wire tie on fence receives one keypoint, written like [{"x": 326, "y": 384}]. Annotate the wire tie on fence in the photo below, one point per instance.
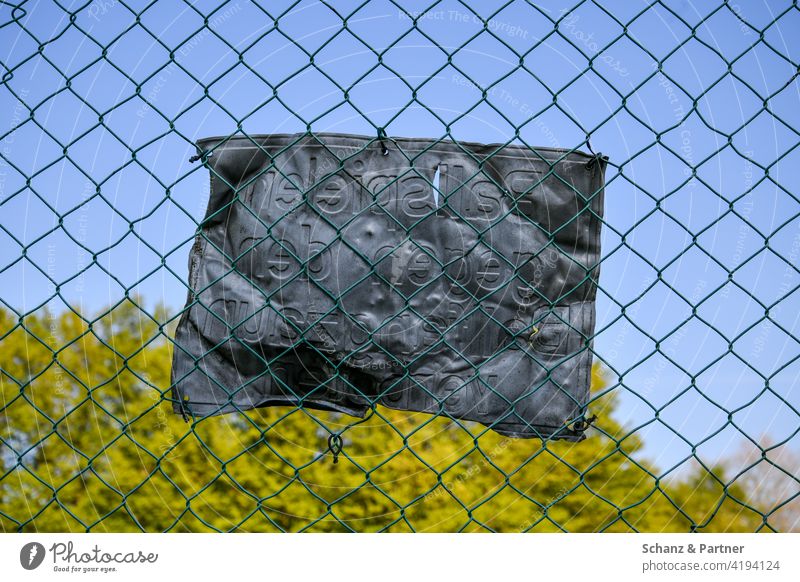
[
  {"x": 582, "y": 425},
  {"x": 382, "y": 139},
  {"x": 184, "y": 407},
  {"x": 589, "y": 145},
  {"x": 207, "y": 155},
  {"x": 596, "y": 157},
  {"x": 335, "y": 445}
]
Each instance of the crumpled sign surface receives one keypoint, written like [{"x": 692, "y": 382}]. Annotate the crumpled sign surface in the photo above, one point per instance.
[{"x": 338, "y": 272}]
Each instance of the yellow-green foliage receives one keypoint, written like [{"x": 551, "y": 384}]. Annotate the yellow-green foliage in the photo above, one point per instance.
[{"x": 87, "y": 442}]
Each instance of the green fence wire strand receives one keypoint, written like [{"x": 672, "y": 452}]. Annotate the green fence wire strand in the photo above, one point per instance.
[{"x": 31, "y": 425}]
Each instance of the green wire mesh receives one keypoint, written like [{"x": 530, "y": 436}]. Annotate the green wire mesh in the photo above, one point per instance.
[{"x": 88, "y": 440}]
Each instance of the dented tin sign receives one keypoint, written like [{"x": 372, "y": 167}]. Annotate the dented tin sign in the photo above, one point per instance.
[{"x": 341, "y": 272}]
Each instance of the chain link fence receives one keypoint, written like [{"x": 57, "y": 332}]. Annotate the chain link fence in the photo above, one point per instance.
[{"x": 693, "y": 415}]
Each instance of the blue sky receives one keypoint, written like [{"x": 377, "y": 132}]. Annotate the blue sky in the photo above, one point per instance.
[{"x": 703, "y": 176}]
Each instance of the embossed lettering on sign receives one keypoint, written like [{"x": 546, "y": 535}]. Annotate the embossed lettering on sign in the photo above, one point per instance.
[{"x": 447, "y": 278}]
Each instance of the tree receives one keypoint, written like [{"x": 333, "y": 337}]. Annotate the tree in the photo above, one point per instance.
[
  {"x": 770, "y": 475},
  {"x": 88, "y": 442}
]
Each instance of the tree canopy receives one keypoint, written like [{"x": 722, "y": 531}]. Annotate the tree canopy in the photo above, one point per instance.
[{"x": 88, "y": 441}]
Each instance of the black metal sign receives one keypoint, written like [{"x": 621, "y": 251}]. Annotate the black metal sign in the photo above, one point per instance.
[{"x": 338, "y": 272}]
